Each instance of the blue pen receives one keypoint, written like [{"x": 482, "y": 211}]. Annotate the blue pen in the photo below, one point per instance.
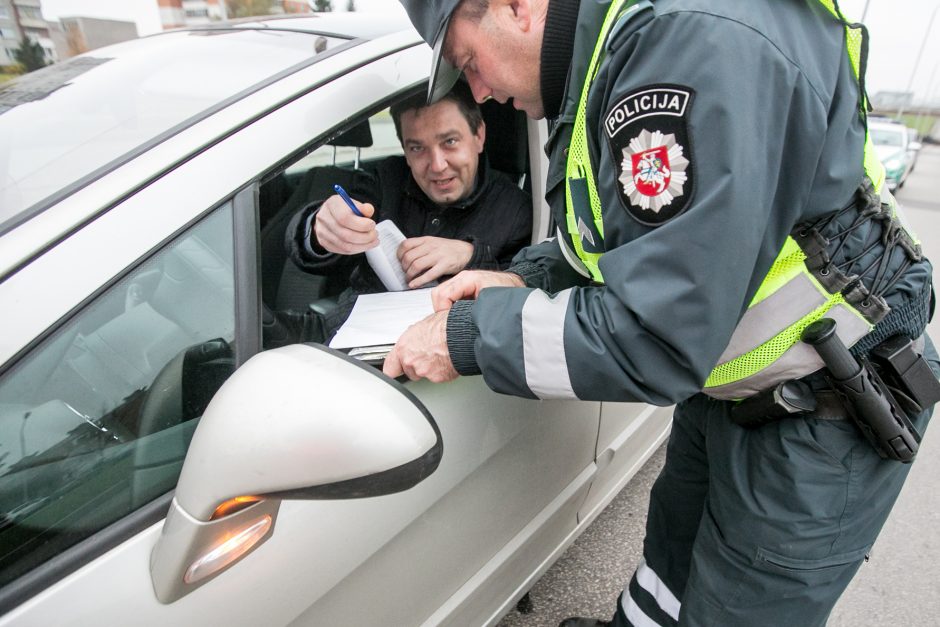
[{"x": 342, "y": 194}]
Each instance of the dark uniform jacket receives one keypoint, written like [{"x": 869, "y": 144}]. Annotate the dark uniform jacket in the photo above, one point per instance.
[
  {"x": 772, "y": 136},
  {"x": 496, "y": 218}
]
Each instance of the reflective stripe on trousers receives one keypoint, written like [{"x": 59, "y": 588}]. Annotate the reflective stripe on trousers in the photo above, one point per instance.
[{"x": 646, "y": 580}]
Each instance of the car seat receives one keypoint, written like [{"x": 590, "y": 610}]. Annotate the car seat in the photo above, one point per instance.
[{"x": 284, "y": 285}]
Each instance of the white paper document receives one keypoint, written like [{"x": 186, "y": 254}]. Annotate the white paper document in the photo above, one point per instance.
[
  {"x": 380, "y": 319},
  {"x": 384, "y": 257}
]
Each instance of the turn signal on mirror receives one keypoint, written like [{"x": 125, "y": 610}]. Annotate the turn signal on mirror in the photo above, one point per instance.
[
  {"x": 234, "y": 505},
  {"x": 228, "y": 550}
]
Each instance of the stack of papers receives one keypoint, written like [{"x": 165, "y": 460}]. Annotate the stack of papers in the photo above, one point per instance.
[{"x": 378, "y": 320}]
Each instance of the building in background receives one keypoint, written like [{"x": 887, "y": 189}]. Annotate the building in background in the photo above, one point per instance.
[
  {"x": 23, "y": 18},
  {"x": 81, "y": 34},
  {"x": 180, "y": 13}
]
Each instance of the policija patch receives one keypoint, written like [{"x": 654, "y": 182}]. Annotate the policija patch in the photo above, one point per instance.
[{"x": 647, "y": 133}]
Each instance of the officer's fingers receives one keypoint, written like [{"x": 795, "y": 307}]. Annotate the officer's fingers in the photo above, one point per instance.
[
  {"x": 392, "y": 366},
  {"x": 460, "y": 287},
  {"x": 397, "y": 365},
  {"x": 443, "y": 372},
  {"x": 432, "y": 360}
]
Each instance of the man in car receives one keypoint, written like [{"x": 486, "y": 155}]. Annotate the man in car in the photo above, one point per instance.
[{"x": 454, "y": 210}]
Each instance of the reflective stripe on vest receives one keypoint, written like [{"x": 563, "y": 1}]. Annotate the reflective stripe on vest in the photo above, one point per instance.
[{"x": 765, "y": 348}]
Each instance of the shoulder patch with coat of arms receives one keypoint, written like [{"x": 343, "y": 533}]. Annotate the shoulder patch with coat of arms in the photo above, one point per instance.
[{"x": 650, "y": 144}]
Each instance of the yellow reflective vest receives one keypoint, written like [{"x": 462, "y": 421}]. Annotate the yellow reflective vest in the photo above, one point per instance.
[{"x": 765, "y": 347}]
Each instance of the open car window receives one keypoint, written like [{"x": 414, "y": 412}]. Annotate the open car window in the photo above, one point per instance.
[
  {"x": 335, "y": 159},
  {"x": 367, "y": 141}
]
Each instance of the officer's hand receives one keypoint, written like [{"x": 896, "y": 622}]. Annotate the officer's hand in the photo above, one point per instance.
[
  {"x": 421, "y": 352},
  {"x": 341, "y": 231},
  {"x": 467, "y": 286},
  {"x": 425, "y": 259}
]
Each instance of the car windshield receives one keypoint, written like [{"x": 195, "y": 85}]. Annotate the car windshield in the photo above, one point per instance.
[
  {"x": 887, "y": 137},
  {"x": 62, "y": 123}
]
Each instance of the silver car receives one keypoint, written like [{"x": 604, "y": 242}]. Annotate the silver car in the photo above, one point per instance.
[
  {"x": 896, "y": 149},
  {"x": 159, "y": 464}
]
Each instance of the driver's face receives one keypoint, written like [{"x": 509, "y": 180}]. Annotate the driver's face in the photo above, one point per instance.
[{"x": 441, "y": 150}]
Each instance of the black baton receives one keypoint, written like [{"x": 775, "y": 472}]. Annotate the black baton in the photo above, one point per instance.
[{"x": 864, "y": 395}]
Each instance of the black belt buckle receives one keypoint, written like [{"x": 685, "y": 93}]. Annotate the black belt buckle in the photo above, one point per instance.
[{"x": 785, "y": 400}]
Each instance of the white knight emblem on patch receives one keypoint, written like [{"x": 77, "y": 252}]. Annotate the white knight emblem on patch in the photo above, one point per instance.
[
  {"x": 651, "y": 151},
  {"x": 653, "y": 170}
]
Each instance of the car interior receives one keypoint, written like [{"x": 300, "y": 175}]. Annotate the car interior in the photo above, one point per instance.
[{"x": 334, "y": 161}]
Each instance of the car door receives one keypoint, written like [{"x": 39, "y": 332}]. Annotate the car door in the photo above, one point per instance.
[{"x": 454, "y": 549}]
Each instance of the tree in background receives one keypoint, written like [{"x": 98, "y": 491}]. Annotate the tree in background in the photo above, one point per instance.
[
  {"x": 30, "y": 55},
  {"x": 351, "y": 6},
  {"x": 247, "y": 8},
  {"x": 321, "y": 6}
]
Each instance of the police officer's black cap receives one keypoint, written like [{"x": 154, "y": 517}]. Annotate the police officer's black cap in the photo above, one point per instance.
[{"x": 431, "y": 18}]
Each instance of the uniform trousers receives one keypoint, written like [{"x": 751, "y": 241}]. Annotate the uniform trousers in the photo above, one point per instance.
[{"x": 759, "y": 527}]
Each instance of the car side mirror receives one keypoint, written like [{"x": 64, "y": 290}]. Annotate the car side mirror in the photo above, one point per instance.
[
  {"x": 915, "y": 146},
  {"x": 298, "y": 422}
]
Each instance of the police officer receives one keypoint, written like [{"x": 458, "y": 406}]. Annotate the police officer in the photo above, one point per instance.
[{"x": 715, "y": 196}]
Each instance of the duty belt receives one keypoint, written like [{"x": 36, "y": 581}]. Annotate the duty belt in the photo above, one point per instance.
[{"x": 879, "y": 393}]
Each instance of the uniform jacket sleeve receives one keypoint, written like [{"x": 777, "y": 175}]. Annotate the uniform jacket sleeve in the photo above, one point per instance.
[
  {"x": 673, "y": 292},
  {"x": 544, "y": 266}
]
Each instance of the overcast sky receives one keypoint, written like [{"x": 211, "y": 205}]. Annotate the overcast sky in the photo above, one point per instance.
[{"x": 898, "y": 30}]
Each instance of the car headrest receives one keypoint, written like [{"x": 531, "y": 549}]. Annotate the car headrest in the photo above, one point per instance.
[
  {"x": 359, "y": 136},
  {"x": 506, "y": 138}
]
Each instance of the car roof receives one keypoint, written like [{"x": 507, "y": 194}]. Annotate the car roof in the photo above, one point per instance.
[
  {"x": 70, "y": 122},
  {"x": 888, "y": 127}
]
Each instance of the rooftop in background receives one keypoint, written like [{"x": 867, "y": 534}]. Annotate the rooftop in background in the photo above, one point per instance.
[
  {"x": 188, "y": 13},
  {"x": 89, "y": 33}
]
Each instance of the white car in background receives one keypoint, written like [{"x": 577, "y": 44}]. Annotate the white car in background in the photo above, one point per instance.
[
  {"x": 144, "y": 190},
  {"x": 896, "y": 149}
]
